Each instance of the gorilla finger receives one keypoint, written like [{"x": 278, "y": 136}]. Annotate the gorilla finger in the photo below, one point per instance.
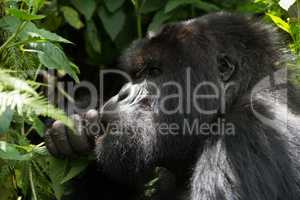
[
  {"x": 50, "y": 144},
  {"x": 79, "y": 123},
  {"x": 79, "y": 140},
  {"x": 94, "y": 126},
  {"x": 60, "y": 138},
  {"x": 80, "y": 143},
  {"x": 92, "y": 115}
]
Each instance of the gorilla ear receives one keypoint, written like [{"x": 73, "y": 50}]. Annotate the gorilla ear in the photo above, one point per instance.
[{"x": 226, "y": 67}]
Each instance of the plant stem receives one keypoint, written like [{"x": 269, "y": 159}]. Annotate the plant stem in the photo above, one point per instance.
[
  {"x": 298, "y": 19},
  {"x": 138, "y": 18},
  {"x": 31, "y": 183},
  {"x": 13, "y": 178},
  {"x": 13, "y": 36},
  {"x": 29, "y": 131},
  {"x": 20, "y": 43},
  {"x": 139, "y": 25},
  {"x": 64, "y": 93},
  {"x": 37, "y": 72}
]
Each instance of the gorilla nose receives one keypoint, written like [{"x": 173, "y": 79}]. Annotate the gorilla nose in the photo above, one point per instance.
[
  {"x": 128, "y": 93},
  {"x": 112, "y": 103},
  {"x": 124, "y": 92}
]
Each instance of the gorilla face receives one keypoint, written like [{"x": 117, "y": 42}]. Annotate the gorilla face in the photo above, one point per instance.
[
  {"x": 129, "y": 140},
  {"x": 177, "y": 77}
]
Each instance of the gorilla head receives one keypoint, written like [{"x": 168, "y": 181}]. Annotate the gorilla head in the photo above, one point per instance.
[
  {"x": 186, "y": 75},
  {"x": 189, "y": 108}
]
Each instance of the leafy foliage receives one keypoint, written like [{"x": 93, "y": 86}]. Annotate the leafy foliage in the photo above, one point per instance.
[
  {"x": 22, "y": 57},
  {"x": 72, "y": 17}
]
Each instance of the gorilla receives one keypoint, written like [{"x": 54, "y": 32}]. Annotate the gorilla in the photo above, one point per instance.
[{"x": 210, "y": 101}]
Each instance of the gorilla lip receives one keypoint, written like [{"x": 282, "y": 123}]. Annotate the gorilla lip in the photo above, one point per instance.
[
  {"x": 148, "y": 102},
  {"x": 99, "y": 138}
]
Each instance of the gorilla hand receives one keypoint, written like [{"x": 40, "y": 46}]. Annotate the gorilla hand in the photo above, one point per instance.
[{"x": 61, "y": 142}]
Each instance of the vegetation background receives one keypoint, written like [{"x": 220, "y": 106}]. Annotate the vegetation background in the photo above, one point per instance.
[{"x": 68, "y": 35}]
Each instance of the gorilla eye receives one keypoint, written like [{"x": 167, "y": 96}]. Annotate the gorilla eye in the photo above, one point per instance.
[
  {"x": 148, "y": 72},
  {"x": 154, "y": 71}
]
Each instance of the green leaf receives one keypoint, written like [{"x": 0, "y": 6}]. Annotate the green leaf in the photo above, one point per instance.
[
  {"x": 53, "y": 21},
  {"x": 77, "y": 167},
  {"x": 57, "y": 170},
  {"x": 10, "y": 23},
  {"x": 91, "y": 37},
  {"x": 280, "y": 23},
  {"x": 135, "y": 3},
  {"x": 72, "y": 17},
  {"x": 44, "y": 34},
  {"x": 38, "y": 125},
  {"x": 6, "y": 117},
  {"x": 251, "y": 7},
  {"x": 113, "y": 5},
  {"x": 173, "y": 4},
  {"x": 53, "y": 57},
  {"x": 37, "y": 4},
  {"x": 113, "y": 23},
  {"x": 85, "y": 7},
  {"x": 10, "y": 152},
  {"x": 34, "y": 4},
  {"x": 151, "y": 5},
  {"x": 23, "y": 15},
  {"x": 295, "y": 30},
  {"x": 159, "y": 18},
  {"x": 205, "y": 6}
]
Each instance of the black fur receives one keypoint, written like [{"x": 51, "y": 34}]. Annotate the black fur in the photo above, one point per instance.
[{"x": 259, "y": 161}]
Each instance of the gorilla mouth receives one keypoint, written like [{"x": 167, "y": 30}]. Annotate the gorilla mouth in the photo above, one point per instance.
[
  {"x": 148, "y": 103},
  {"x": 123, "y": 123},
  {"x": 99, "y": 138}
]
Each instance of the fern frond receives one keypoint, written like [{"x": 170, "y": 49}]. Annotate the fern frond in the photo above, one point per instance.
[
  {"x": 10, "y": 82},
  {"x": 24, "y": 63},
  {"x": 27, "y": 105}
]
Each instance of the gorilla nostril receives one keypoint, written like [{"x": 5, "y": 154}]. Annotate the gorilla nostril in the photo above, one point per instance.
[
  {"x": 123, "y": 95},
  {"x": 147, "y": 102}
]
